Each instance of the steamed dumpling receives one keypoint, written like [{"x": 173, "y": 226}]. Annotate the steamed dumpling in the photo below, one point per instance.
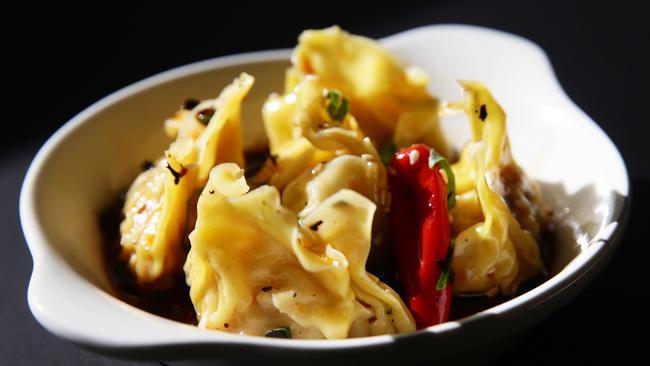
[
  {"x": 254, "y": 265},
  {"x": 158, "y": 209},
  {"x": 493, "y": 252},
  {"x": 391, "y": 102},
  {"x": 322, "y": 155}
]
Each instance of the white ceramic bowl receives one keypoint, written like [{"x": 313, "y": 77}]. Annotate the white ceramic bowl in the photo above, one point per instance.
[{"x": 84, "y": 165}]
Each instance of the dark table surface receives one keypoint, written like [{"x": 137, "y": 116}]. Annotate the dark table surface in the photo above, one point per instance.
[{"x": 58, "y": 60}]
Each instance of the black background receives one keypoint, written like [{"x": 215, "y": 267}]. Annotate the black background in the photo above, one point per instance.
[{"x": 57, "y": 60}]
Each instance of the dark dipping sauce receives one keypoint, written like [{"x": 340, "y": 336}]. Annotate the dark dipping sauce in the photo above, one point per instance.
[{"x": 175, "y": 304}]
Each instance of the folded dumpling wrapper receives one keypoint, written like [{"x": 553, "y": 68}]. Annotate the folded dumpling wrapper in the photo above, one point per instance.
[
  {"x": 255, "y": 265},
  {"x": 493, "y": 253},
  {"x": 389, "y": 100},
  {"x": 159, "y": 206}
]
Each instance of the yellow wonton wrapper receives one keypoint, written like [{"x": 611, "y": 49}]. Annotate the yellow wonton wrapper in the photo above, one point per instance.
[
  {"x": 254, "y": 265},
  {"x": 306, "y": 141},
  {"x": 389, "y": 101},
  {"x": 157, "y": 208},
  {"x": 492, "y": 252}
]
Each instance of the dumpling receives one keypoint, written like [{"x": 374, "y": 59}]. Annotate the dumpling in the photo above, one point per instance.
[
  {"x": 362, "y": 174},
  {"x": 254, "y": 265},
  {"x": 293, "y": 122},
  {"x": 158, "y": 209},
  {"x": 322, "y": 155},
  {"x": 493, "y": 252},
  {"x": 389, "y": 101},
  {"x": 303, "y": 136}
]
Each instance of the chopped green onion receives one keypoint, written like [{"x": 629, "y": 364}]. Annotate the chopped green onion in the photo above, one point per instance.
[
  {"x": 435, "y": 158},
  {"x": 444, "y": 275},
  {"x": 387, "y": 153},
  {"x": 337, "y": 105},
  {"x": 205, "y": 115},
  {"x": 282, "y": 332}
]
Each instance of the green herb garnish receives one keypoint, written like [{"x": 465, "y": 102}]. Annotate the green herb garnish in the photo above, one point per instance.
[
  {"x": 282, "y": 332},
  {"x": 337, "y": 105},
  {"x": 387, "y": 152},
  {"x": 446, "y": 268},
  {"x": 435, "y": 158}
]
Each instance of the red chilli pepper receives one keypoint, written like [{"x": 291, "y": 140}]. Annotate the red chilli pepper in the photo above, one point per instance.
[{"x": 420, "y": 221}]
